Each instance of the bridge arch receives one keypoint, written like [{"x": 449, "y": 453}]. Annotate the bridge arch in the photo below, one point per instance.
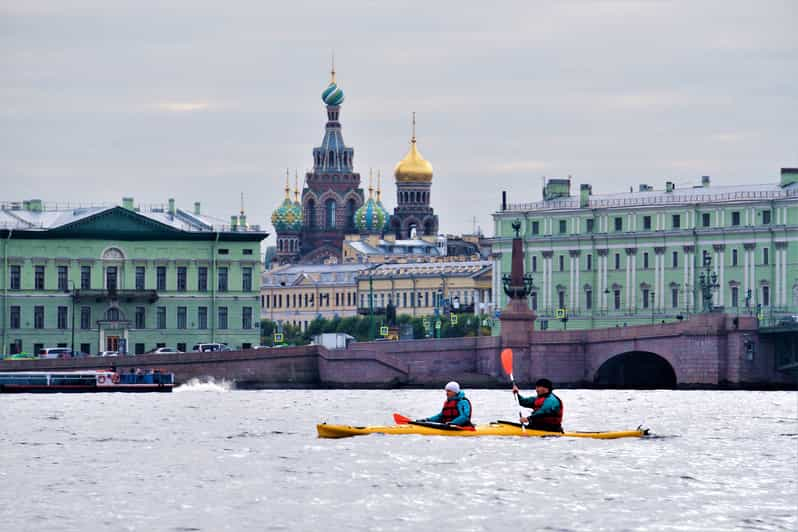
[{"x": 636, "y": 369}]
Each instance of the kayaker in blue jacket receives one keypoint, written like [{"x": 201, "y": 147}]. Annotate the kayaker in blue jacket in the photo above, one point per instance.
[
  {"x": 456, "y": 409},
  {"x": 547, "y": 408}
]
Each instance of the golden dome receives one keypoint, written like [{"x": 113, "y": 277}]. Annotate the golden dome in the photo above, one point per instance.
[{"x": 413, "y": 167}]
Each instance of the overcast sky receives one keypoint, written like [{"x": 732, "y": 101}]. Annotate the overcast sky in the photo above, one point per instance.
[{"x": 202, "y": 100}]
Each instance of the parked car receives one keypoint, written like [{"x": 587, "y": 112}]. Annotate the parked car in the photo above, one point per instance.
[
  {"x": 19, "y": 356},
  {"x": 164, "y": 351},
  {"x": 55, "y": 352},
  {"x": 211, "y": 347},
  {"x": 108, "y": 354}
]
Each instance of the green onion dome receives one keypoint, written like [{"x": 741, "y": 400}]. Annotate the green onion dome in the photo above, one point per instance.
[
  {"x": 288, "y": 216},
  {"x": 333, "y": 94},
  {"x": 370, "y": 217}
]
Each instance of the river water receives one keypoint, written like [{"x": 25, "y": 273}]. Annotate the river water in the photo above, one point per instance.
[{"x": 210, "y": 458}]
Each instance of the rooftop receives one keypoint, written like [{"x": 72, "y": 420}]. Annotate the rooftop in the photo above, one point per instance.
[{"x": 463, "y": 269}]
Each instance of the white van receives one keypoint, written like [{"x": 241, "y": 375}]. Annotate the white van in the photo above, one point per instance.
[
  {"x": 210, "y": 347},
  {"x": 55, "y": 352}
]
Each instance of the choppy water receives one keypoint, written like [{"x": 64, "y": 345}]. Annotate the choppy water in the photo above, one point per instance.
[{"x": 207, "y": 458}]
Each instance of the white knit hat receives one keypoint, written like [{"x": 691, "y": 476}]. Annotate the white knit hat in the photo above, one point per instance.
[{"x": 452, "y": 387}]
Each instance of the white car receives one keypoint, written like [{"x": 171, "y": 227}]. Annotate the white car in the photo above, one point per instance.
[
  {"x": 108, "y": 354},
  {"x": 55, "y": 352},
  {"x": 165, "y": 351}
]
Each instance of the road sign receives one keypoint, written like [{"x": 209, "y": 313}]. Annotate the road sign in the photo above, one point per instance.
[
  {"x": 384, "y": 330},
  {"x": 454, "y": 319},
  {"x": 437, "y": 324},
  {"x": 278, "y": 338},
  {"x": 497, "y": 314},
  {"x": 562, "y": 313}
]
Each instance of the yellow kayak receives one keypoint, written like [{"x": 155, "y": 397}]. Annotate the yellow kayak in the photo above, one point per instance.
[{"x": 492, "y": 429}]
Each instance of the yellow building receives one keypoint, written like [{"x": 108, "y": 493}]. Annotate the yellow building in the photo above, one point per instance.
[
  {"x": 298, "y": 294},
  {"x": 418, "y": 288}
]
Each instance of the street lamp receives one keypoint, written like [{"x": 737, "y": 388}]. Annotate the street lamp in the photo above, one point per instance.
[{"x": 708, "y": 281}]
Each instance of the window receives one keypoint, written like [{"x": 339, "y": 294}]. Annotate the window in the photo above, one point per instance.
[
  {"x": 736, "y": 218},
  {"x": 140, "y": 271},
  {"x": 404, "y": 299},
  {"x": 246, "y": 281},
  {"x": 182, "y": 274},
  {"x": 676, "y": 221},
  {"x": 588, "y": 299},
  {"x": 765, "y": 296},
  {"x": 15, "y": 317},
  {"x": 140, "y": 318},
  {"x": 561, "y": 299},
  {"x": 675, "y": 297},
  {"x": 534, "y": 263},
  {"x": 561, "y": 260},
  {"x": 160, "y": 318},
  {"x": 139, "y": 349},
  {"x": 329, "y": 213},
  {"x": 735, "y": 297},
  {"x": 15, "y": 277},
  {"x": 616, "y": 299},
  {"x": 589, "y": 262},
  {"x": 647, "y": 223},
  {"x": 246, "y": 251},
  {"x": 765, "y": 217},
  {"x": 645, "y": 260},
  {"x": 112, "y": 314},
  {"x": 535, "y": 228},
  {"x": 63, "y": 276},
  {"x": 85, "y": 277},
  {"x": 224, "y": 251},
  {"x": 202, "y": 279},
  {"x": 765, "y": 256},
  {"x": 62, "y": 317},
  {"x": 589, "y": 227},
  {"x": 38, "y": 317},
  {"x": 645, "y": 297},
  {"x": 202, "y": 317},
  {"x": 734, "y": 257},
  {"x": 222, "y": 279},
  {"x": 160, "y": 278},
  {"x": 617, "y": 261},
  {"x": 85, "y": 348},
  {"x": 38, "y": 278},
  {"x": 246, "y": 318},
  {"x": 85, "y": 318},
  {"x": 618, "y": 223},
  {"x": 705, "y": 219},
  {"x": 110, "y": 278},
  {"x": 675, "y": 259},
  {"x": 181, "y": 346},
  {"x": 222, "y": 317},
  {"x": 181, "y": 317},
  {"x": 563, "y": 226}
]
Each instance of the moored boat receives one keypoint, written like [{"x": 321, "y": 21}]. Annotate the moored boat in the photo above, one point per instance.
[
  {"x": 499, "y": 428},
  {"x": 84, "y": 381}
]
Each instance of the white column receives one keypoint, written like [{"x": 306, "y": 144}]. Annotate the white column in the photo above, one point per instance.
[
  {"x": 746, "y": 283},
  {"x": 542, "y": 296},
  {"x": 634, "y": 282},
  {"x": 686, "y": 281},
  {"x": 627, "y": 303},
  {"x": 715, "y": 269},
  {"x": 571, "y": 279},
  {"x": 784, "y": 301},
  {"x": 577, "y": 288},
  {"x": 605, "y": 286},
  {"x": 721, "y": 276}
]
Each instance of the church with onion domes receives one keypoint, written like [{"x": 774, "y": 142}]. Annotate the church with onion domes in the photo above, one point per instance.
[{"x": 312, "y": 229}]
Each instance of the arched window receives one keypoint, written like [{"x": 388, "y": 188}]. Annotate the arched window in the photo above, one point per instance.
[
  {"x": 351, "y": 207},
  {"x": 329, "y": 214},
  {"x": 310, "y": 213},
  {"x": 112, "y": 314},
  {"x": 279, "y": 245}
]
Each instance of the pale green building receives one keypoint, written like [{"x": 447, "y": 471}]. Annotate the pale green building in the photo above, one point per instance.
[
  {"x": 638, "y": 257},
  {"x": 126, "y": 278}
]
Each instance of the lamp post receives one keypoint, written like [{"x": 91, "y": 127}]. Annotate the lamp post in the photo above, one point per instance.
[{"x": 708, "y": 281}]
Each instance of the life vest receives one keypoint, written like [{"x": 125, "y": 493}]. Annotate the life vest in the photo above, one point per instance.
[
  {"x": 450, "y": 411},
  {"x": 550, "y": 419}
]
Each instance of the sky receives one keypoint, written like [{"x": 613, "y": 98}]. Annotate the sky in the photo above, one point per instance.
[{"x": 205, "y": 100}]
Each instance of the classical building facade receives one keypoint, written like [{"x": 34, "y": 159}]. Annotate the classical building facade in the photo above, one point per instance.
[
  {"x": 298, "y": 294},
  {"x": 638, "y": 257},
  {"x": 126, "y": 278}
]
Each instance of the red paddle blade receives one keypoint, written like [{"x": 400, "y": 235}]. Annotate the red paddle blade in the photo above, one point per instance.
[
  {"x": 507, "y": 360},
  {"x": 399, "y": 419}
]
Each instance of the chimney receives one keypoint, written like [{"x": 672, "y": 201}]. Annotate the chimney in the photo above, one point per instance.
[
  {"x": 705, "y": 181},
  {"x": 645, "y": 188},
  {"x": 504, "y": 200},
  {"x": 127, "y": 203},
  {"x": 585, "y": 191},
  {"x": 242, "y": 221},
  {"x": 789, "y": 176},
  {"x": 197, "y": 208},
  {"x": 233, "y": 223},
  {"x": 35, "y": 205},
  {"x": 669, "y": 186},
  {"x": 172, "y": 206}
]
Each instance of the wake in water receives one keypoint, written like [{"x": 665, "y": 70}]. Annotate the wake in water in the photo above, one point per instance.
[{"x": 206, "y": 385}]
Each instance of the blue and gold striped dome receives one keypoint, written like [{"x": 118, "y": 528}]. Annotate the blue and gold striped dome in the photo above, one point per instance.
[{"x": 333, "y": 94}]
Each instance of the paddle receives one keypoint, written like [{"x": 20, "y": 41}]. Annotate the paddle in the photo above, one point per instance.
[
  {"x": 507, "y": 364},
  {"x": 399, "y": 419}
]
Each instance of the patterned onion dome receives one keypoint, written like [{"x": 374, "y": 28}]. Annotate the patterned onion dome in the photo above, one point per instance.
[
  {"x": 288, "y": 216},
  {"x": 370, "y": 217},
  {"x": 386, "y": 215},
  {"x": 333, "y": 94}
]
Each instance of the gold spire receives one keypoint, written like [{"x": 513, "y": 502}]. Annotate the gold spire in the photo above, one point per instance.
[
  {"x": 296, "y": 186},
  {"x": 379, "y": 179},
  {"x": 371, "y": 188},
  {"x": 413, "y": 167},
  {"x": 242, "y": 204},
  {"x": 287, "y": 185},
  {"x": 332, "y": 69}
]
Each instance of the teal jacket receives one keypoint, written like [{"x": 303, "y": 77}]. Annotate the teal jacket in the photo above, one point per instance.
[
  {"x": 463, "y": 407},
  {"x": 551, "y": 405}
]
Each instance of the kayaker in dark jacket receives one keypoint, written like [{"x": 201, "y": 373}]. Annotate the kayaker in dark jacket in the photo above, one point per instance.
[
  {"x": 547, "y": 408},
  {"x": 456, "y": 409}
]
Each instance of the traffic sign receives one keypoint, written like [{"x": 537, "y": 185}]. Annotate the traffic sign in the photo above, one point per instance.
[
  {"x": 454, "y": 319},
  {"x": 438, "y": 324},
  {"x": 562, "y": 313},
  {"x": 278, "y": 338},
  {"x": 384, "y": 330}
]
